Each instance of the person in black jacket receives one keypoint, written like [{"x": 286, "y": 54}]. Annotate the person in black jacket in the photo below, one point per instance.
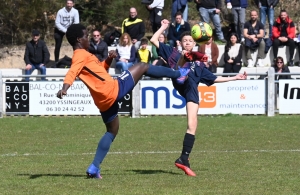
[
  {"x": 98, "y": 47},
  {"x": 36, "y": 55},
  {"x": 176, "y": 29},
  {"x": 233, "y": 55},
  {"x": 281, "y": 68}
]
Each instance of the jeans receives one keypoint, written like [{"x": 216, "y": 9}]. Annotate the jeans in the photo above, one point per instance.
[
  {"x": 209, "y": 14},
  {"x": 239, "y": 20},
  {"x": 263, "y": 12},
  {"x": 122, "y": 66},
  {"x": 185, "y": 13},
  {"x": 42, "y": 69}
]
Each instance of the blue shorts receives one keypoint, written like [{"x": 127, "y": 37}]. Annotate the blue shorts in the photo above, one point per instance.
[
  {"x": 189, "y": 90},
  {"x": 126, "y": 84}
]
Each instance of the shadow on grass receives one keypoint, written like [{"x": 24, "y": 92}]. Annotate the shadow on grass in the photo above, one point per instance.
[
  {"x": 35, "y": 176},
  {"x": 138, "y": 171}
]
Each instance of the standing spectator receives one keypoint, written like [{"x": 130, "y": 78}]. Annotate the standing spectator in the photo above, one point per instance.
[
  {"x": 281, "y": 68},
  {"x": 211, "y": 50},
  {"x": 135, "y": 27},
  {"x": 176, "y": 29},
  {"x": 98, "y": 47},
  {"x": 180, "y": 6},
  {"x": 254, "y": 33},
  {"x": 239, "y": 14},
  {"x": 156, "y": 9},
  {"x": 156, "y": 59},
  {"x": 266, "y": 7},
  {"x": 209, "y": 10},
  {"x": 233, "y": 55},
  {"x": 143, "y": 54},
  {"x": 283, "y": 33},
  {"x": 126, "y": 53},
  {"x": 64, "y": 18},
  {"x": 36, "y": 55}
]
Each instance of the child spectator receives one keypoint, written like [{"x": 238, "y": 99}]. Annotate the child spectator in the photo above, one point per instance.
[{"x": 143, "y": 54}]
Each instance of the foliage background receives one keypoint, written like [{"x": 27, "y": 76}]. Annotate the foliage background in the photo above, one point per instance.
[{"x": 19, "y": 17}]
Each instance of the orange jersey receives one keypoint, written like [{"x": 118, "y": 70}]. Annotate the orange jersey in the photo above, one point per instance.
[{"x": 93, "y": 73}]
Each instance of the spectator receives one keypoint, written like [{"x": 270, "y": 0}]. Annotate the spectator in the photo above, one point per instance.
[
  {"x": 233, "y": 55},
  {"x": 98, "y": 47},
  {"x": 143, "y": 54},
  {"x": 209, "y": 10},
  {"x": 125, "y": 53},
  {"x": 64, "y": 18},
  {"x": 239, "y": 14},
  {"x": 283, "y": 33},
  {"x": 156, "y": 59},
  {"x": 266, "y": 7},
  {"x": 211, "y": 50},
  {"x": 176, "y": 29},
  {"x": 36, "y": 55},
  {"x": 135, "y": 27},
  {"x": 254, "y": 33},
  {"x": 180, "y": 6},
  {"x": 281, "y": 68},
  {"x": 156, "y": 9}
]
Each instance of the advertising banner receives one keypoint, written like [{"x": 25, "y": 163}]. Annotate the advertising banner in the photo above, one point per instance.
[
  {"x": 237, "y": 97},
  {"x": 78, "y": 101},
  {"x": 289, "y": 97},
  {"x": 17, "y": 97}
]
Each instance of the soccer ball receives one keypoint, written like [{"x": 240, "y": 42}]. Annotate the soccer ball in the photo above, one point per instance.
[{"x": 201, "y": 32}]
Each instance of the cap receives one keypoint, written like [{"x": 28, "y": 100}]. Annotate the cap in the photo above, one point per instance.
[{"x": 35, "y": 32}]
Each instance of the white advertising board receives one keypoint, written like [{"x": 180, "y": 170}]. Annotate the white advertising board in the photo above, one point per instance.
[
  {"x": 78, "y": 101},
  {"x": 289, "y": 97},
  {"x": 237, "y": 97}
]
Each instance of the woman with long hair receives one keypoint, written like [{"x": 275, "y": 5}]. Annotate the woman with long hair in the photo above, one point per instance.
[
  {"x": 126, "y": 53},
  {"x": 157, "y": 60},
  {"x": 281, "y": 68},
  {"x": 233, "y": 55}
]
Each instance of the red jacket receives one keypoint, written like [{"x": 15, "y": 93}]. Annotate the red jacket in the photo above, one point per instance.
[{"x": 291, "y": 30}]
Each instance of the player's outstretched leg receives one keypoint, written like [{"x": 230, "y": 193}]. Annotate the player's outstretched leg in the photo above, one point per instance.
[
  {"x": 104, "y": 144},
  {"x": 140, "y": 69}
]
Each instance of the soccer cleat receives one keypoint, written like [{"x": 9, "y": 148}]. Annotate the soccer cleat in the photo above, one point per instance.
[
  {"x": 185, "y": 166},
  {"x": 93, "y": 172},
  {"x": 183, "y": 75}
]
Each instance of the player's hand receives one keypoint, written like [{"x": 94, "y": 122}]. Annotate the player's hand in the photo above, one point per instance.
[
  {"x": 61, "y": 93},
  {"x": 112, "y": 54},
  {"x": 165, "y": 23},
  {"x": 241, "y": 76}
]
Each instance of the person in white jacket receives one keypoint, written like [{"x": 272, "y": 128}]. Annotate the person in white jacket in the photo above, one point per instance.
[
  {"x": 155, "y": 9},
  {"x": 64, "y": 18}
]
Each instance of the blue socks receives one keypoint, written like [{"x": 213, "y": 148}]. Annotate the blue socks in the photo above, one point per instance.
[
  {"x": 103, "y": 148},
  {"x": 161, "y": 71}
]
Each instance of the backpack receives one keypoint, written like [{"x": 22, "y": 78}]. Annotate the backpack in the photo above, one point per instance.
[{"x": 111, "y": 38}]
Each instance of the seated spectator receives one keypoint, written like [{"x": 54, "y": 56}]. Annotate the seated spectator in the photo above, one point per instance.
[
  {"x": 211, "y": 50},
  {"x": 143, "y": 54},
  {"x": 253, "y": 34},
  {"x": 176, "y": 29},
  {"x": 36, "y": 55},
  {"x": 283, "y": 33},
  {"x": 157, "y": 60},
  {"x": 233, "y": 55},
  {"x": 126, "y": 53},
  {"x": 281, "y": 68},
  {"x": 98, "y": 47}
]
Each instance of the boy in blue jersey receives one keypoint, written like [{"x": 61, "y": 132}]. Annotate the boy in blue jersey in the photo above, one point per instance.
[{"x": 195, "y": 62}]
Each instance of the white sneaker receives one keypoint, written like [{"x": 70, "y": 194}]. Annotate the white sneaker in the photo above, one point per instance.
[
  {"x": 260, "y": 63},
  {"x": 250, "y": 63}
]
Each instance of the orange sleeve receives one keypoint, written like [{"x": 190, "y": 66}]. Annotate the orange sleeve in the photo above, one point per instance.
[{"x": 78, "y": 62}]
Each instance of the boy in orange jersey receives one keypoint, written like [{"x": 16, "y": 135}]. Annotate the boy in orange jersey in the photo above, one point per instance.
[{"x": 105, "y": 90}]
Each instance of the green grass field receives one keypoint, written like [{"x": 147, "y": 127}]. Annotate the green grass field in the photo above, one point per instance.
[{"x": 232, "y": 155}]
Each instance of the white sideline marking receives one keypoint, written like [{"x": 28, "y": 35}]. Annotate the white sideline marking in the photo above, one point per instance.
[{"x": 152, "y": 152}]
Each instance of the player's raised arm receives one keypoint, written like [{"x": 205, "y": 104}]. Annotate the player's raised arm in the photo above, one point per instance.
[
  {"x": 164, "y": 25},
  {"x": 237, "y": 77}
]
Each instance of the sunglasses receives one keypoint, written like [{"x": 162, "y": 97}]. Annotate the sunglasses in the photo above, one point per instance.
[
  {"x": 279, "y": 62},
  {"x": 96, "y": 35}
]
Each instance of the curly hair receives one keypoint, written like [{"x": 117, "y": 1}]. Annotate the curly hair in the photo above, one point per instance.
[{"x": 73, "y": 32}]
